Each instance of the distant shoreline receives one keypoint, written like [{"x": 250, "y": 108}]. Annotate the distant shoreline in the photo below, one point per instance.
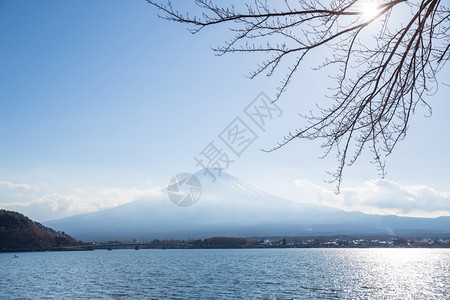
[
  {"x": 316, "y": 242},
  {"x": 83, "y": 250},
  {"x": 21, "y": 250}
]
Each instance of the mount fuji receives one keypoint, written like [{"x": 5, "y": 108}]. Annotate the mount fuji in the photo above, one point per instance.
[{"x": 230, "y": 207}]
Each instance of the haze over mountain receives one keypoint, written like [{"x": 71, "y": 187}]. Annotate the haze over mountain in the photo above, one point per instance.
[{"x": 231, "y": 207}]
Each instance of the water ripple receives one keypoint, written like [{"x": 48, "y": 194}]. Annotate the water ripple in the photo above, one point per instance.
[{"x": 228, "y": 274}]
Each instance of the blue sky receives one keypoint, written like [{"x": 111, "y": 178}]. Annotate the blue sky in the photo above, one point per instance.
[{"x": 102, "y": 103}]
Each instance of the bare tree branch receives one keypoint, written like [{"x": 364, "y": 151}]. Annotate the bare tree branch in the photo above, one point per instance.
[{"x": 382, "y": 76}]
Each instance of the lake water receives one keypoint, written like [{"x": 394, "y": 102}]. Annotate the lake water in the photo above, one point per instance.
[{"x": 228, "y": 274}]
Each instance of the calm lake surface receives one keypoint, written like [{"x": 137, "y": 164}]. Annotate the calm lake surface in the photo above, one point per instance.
[{"x": 228, "y": 274}]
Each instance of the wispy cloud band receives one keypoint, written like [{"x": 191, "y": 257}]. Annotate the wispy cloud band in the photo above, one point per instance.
[{"x": 382, "y": 196}]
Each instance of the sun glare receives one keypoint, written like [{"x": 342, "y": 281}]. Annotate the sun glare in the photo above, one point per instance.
[{"x": 369, "y": 10}]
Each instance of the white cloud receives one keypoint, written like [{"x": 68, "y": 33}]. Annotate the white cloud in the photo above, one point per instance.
[
  {"x": 18, "y": 186},
  {"x": 382, "y": 196},
  {"x": 52, "y": 205}
]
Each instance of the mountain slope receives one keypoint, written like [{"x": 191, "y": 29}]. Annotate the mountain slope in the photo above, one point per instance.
[
  {"x": 230, "y": 207},
  {"x": 18, "y": 232}
]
